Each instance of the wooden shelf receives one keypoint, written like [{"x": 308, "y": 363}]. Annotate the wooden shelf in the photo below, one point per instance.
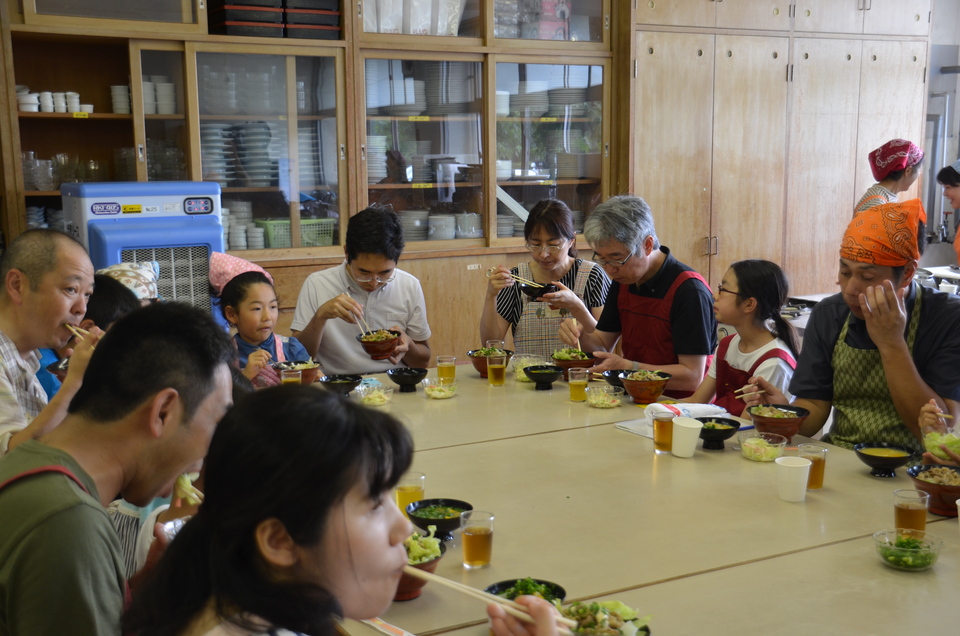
[
  {"x": 421, "y": 186},
  {"x": 175, "y": 117},
  {"x": 122, "y": 116},
  {"x": 425, "y": 118},
  {"x": 551, "y": 120},
  {"x": 546, "y": 182}
]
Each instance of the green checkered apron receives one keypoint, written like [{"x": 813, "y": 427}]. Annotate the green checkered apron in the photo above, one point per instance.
[{"x": 863, "y": 408}]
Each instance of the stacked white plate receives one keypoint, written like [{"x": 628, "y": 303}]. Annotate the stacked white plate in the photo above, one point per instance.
[
  {"x": 503, "y": 103},
  {"x": 374, "y": 75},
  {"x": 216, "y": 153},
  {"x": 166, "y": 98},
  {"x": 567, "y": 101},
  {"x": 149, "y": 98},
  {"x": 531, "y": 99},
  {"x": 449, "y": 86},
  {"x": 308, "y": 149},
  {"x": 376, "y": 158},
  {"x": 415, "y": 225},
  {"x": 238, "y": 236},
  {"x": 408, "y": 98},
  {"x": 35, "y": 217},
  {"x": 518, "y": 224},
  {"x": 422, "y": 169},
  {"x": 443, "y": 227},
  {"x": 504, "y": 225},
  {"x": 568, "y": 165},
  {"x": 255, "y": 237},
  {"x": 253, "y": 142},
  {"x": 254, "y": 96}
]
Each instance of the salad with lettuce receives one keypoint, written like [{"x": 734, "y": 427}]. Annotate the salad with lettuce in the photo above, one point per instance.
[
  {"x": 933, "y": 440},
  {"x": 569, "y": 354},
  {"x": 605, "y": 618}
]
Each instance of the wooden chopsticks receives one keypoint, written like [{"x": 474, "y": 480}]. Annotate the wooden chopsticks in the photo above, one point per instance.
[
  {"x": 514, "y": 609},
  {"x": 525, "y": 281},
  {"x": 77, "y": 331},
  {"x": 946, "y": 416},
  {"x": 746, "y": 395}
]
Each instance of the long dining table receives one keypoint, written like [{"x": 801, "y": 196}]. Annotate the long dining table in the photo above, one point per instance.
[{"x": 703, "y": 545}]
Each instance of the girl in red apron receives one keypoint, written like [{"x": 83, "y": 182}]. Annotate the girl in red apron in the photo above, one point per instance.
[
  {"x": 749, "y": 299},
  {"x": 248, "y": 302}
]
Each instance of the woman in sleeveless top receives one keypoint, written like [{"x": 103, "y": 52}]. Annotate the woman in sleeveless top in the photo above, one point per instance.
[
  {"x": 582, "y": 286},
  {"x": 896, "y": 165}
]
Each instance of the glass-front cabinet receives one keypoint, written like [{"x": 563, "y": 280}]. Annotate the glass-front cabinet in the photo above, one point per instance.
[
  {"x": 568, "y": 20},
  {"x": 423, "y": 146},
  {"x": 161, "y": 95},
  {"x": 269, "y": 134},
  {"x": 421, "y": 17},
  {"x": 549, "y": 139},
  {"x": 175, "y": 16}
]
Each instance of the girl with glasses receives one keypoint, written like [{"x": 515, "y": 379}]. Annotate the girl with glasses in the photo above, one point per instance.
[
  {"x": 581, "y": 285},
  {"x": 749, "y": 299}
]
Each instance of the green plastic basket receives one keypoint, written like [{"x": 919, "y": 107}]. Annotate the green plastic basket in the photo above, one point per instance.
[{"x": 313, "y": 232}]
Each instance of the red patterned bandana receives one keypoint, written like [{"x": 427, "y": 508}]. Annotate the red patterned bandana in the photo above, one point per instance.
[
  {"x": 884, "y": 235},
  {"x": 894, "y": 155}
]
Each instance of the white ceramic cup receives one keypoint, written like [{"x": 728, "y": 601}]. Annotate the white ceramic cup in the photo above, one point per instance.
[
  {"x": 72, "y": 95},
  {"x": 686, "y": 432},
  {"x": 86, "y": 108},
  {"x": 792, "y": 473},
  {"x": 166, "y": 109}
]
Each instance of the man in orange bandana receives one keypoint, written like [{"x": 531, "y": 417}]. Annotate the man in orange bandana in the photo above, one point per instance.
[{"x": 884, "y": 346}]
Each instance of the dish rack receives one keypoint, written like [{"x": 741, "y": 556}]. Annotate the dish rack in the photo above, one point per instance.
[{"x": 313, "y": 232}]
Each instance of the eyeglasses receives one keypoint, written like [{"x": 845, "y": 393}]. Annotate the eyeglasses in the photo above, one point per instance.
[
  {"x": 603, "y": 263},
  {"x": 537, "y": 249},
  {"x": 368, "y": 279},
  {"x": 721, "y": 290}
]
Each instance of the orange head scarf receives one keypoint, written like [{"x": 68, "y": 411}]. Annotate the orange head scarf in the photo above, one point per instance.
[{"x": 884, "y": 235}]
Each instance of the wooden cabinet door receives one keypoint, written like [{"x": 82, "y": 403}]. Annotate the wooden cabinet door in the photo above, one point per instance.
[
  {"x": 891, "y": 102},
  {"x": 695, "y": 13},
  {"x": 897, "y": 17},
  {"x": 749, "y": 149},
  {"x": 673, "y": 136},
  {"x": 830, "y": 16},
  {"x": 754, "y": 14},
  {"x": 822, "y": 158}
]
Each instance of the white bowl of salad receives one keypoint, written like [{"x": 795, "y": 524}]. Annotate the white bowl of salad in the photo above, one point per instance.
[
  {"x": 374, "y": 395},
  {"x": 761, "y": 447}
]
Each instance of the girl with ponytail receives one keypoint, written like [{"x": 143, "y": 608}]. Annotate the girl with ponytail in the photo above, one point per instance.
[{"x": 749, "y": 299}]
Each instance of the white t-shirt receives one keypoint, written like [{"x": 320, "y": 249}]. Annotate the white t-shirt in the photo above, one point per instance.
[
  {"x": 399, "y": 302},
  {"x": 775, "y": 371}
]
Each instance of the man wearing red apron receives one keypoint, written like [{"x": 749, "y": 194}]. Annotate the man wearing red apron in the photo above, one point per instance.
[
  {"x": 884, "y": 346},
  {"x": 660, "y": 308}
]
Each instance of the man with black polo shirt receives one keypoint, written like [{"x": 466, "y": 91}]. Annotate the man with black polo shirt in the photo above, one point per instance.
[{"x": 661, "y": 308}]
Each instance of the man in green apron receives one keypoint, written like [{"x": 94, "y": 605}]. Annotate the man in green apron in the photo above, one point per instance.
[{"x": 884, "y": 346}]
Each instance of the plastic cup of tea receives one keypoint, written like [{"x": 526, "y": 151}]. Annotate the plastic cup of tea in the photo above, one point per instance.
[
  {"x": 577, "y": 379},
  {"x": 447, "y": 369},
  {"x": 494, "y": 344},
  {"x": 663, "y": 433},
  {"x": 792, "y": 475},
  {"x": 409, "y": 489},
  {"x": 477, "y": 530},
  {"x": 497, "y": 369},
  {"x": 910, "y": 509},
  {"x": 290, "y": 376},
  {"x": 817, "y": 454},
  {"x": 686, "y": 432}
]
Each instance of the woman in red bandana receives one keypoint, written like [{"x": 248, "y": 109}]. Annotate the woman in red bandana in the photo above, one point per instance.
[{"x": 896, "y": 166}]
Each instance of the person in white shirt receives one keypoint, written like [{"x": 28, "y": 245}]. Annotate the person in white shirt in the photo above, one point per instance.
[
  {"x": 367, "y": 289},
  {"x": 47, "y": 280}
]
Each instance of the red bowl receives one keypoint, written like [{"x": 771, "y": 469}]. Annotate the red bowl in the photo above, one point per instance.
[
  {"x": 573, "y": 364},
  {"x": 480, "y": 362},
  {"x": 943, "y": 499},
  {"x": 410, "y": 587},
  {"x": 786, "y": 426},
  {"x": 644, "y": 391},
  {"x": 380, "y": 349}
]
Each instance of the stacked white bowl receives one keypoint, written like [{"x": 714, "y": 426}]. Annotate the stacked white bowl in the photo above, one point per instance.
[
  {"x": 120, "y": 96},
  {"x": 504, "y": 225},
  {"x": 35, "y": 217},
  {"x": 46, "y": 102},
  {"x": 225, "y": 222},
  {"x": 59, "y": 102},
  {"x": 149, "y": 98},
  {"x": 238, "y": 236},
  {"x": 73, "y": 102},
  {"x": 166, "y": 98},
  {"x": 376, "y": 158},
  {"x": 531, "y": 98},
  {"x": 28, "y": 102},
  {"x": 442, "y": 227},
  {"x": 255, "y": 237}
]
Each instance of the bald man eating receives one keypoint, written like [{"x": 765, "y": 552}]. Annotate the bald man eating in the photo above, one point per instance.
[{"x": 884, "y": 346}]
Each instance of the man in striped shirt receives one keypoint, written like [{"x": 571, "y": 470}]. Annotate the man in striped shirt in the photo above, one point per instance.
[{"x": 47, "y": 278}]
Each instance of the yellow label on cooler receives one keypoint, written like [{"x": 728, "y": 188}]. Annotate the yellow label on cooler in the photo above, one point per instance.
[{"x": 132, "y": 209}]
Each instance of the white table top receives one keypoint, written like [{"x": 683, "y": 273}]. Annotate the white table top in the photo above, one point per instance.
[
  {"x": 944, "y": 271},
  {"x": 695, "y": 542}
]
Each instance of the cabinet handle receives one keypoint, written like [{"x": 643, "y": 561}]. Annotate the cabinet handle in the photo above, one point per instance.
[
  {"x": 140, "y": 156},
  {"x": 363, "y": 152},
  {"x": 706, "y": 246},
  {"x": 360, "y": 9},
  {"x": 201, "y": 5},
  {"x": 716, "y": 246},
  {"x": 343, "y": 152},
  {"x": 606, "y": 150}
]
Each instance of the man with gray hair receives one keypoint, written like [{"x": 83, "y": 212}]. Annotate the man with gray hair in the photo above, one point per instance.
[
  {"x": 47, "y": 279},
  {"x": 661, "y": 308}
]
